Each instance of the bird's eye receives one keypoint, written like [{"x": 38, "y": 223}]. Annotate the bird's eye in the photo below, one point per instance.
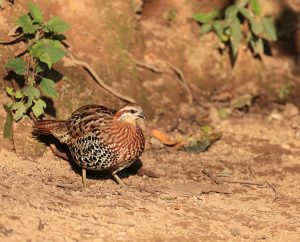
[{"x": 132, "y": 111}]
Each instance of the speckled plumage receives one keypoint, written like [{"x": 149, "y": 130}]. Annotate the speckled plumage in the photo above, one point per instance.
[{"x": 100, "y": 138}]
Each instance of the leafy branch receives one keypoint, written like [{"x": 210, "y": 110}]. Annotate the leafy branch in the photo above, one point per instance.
[
  {"x": 43, "y": 49},
  {"x": 240, "y": 23}
]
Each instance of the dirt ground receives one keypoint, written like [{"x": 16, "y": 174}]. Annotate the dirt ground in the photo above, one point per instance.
[
  {"x": 245, "y": 187},
  {"x": 251, "y": 195}
]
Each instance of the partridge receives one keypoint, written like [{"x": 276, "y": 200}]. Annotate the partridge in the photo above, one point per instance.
[{"x": 100, "y": 138}]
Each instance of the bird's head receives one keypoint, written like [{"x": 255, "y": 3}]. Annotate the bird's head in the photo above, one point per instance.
[{"x": 130, "y": 113}]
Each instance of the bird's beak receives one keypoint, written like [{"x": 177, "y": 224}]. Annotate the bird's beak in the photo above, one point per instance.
[{"x": 141, "y": 115}]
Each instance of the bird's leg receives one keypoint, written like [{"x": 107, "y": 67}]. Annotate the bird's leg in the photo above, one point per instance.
[
  {"x": 120, "y": 182},
  {"x": 84, "y": 178}
]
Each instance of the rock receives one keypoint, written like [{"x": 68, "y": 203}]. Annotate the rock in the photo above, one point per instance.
[
  {"x": 290, "y": 110},
  {"x": 275, "y": 116},
  {"x": 26, "y": 144}
]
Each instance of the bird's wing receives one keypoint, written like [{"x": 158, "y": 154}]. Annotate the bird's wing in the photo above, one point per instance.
[{"x": 89, "y": 119}]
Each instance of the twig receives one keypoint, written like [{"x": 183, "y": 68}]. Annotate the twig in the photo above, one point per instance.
[
  {"x": 60, "y": 185},
  {"x": 145, "y": 65},
  {"x": 10, "y": 42},
  {"x": 211, "y": 176},
  {"x": 180, "y": 75},
  {"x": 268, "y": 183},
  {"x": 274, "y": 190},
  {"x": 176, "y": 70},
  {"x": 247, "y": 182},
  {"x": 221, "y": 180}
]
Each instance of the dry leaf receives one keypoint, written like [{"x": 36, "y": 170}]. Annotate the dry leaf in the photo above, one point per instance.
[{"x": 163, "y": 137}]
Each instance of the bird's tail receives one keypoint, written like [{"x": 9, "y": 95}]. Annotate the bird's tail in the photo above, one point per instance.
[{"x": 49, "y": 127}]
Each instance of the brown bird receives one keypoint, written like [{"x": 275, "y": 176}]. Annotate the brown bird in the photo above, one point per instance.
[{"x": 100, "y": 138}]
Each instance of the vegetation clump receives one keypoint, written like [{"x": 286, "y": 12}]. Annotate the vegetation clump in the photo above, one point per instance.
[
  {"x": 240, "y": 23},
  {"x": 43, "y": 41}
]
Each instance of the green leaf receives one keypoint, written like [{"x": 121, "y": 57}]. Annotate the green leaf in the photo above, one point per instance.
[
  {"x": 7, "y": 131},
  {"x": 246, "y": 13},
  {"x": 205, "y": 28},
  {"x": 47, "y": 86},
  {"x": 32, "y": 93},
  {"x": 57, "y": 25},
  {"x": 35, "y": 12},
  {"x": 269, "y": 28},
  {"x": 257, "y": 46},
  {"x": 242, "y": 101},
  {"x": 231, "y": 13},
  {"x": 18, "y": 66},
  {"x": 255, "y": 7},
  {"x": 257, "y": 27},
  {"x": 235, "y": 36},
  {"x": 9, "y": 104},
  {"x": 10, "y": 91},
  {"x": 206, "y": 17},
  {"x": 19, "y": 94},
  {"x": 38, "y": 108},
  {"x": 47, "y": 51},
  {"x": 19, "y": 110},
  {"x": 219, "y": 28},
  {"x": 27, "y": 24},
  {"x": 224, "y": 112},
  {"x": 241, "y": 3}
]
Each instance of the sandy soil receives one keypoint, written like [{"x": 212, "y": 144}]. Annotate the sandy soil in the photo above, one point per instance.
[
  {"x": 246, "y": 187},
  {"x": 42, "y": 199}
]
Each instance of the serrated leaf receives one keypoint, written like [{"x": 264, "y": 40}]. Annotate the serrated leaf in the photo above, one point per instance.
[
  {"x": 27, "y": 24},
  {"x": 38, "y": 108},
  {"x": 241, "y": 3},
  {"x": 19, "y": 110},
  {"x": 257, "y": 27},
  {"x": 32, "y": 93},
  {"x": 19, "y": 94},
  {"x": 18, "y": 66},
  {"x": 7, "y": 130},
  {"x": 246, "y": 13},
  {"x": 10, "y": 103},
  {"x": 269, "y": 28},
  {"x": 35, "y": 12},
  {"x": 57, "y": 25},
  {"x": 47, "y": 86},
  {"x": 231, "y": 13},
  {"x": 206, "y": 17},
  {"x": 219, "y": 28},
  {"x": 53, "y": 43},
  {"x": 257, "y": 46},
  {"x": 236, "y": 36},
  {"x": 10, "y": 91},
  {"x": 47, "y": 51},
  {"x": 255, "y": 7},
  {"x": 205, "y": 28}
]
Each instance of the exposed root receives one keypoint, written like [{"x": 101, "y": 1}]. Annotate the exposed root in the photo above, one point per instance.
[
  {"x": 171, "y": 67},
  {"x": 94, "y": 74},
  {"x": 222, "y": 180}
]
